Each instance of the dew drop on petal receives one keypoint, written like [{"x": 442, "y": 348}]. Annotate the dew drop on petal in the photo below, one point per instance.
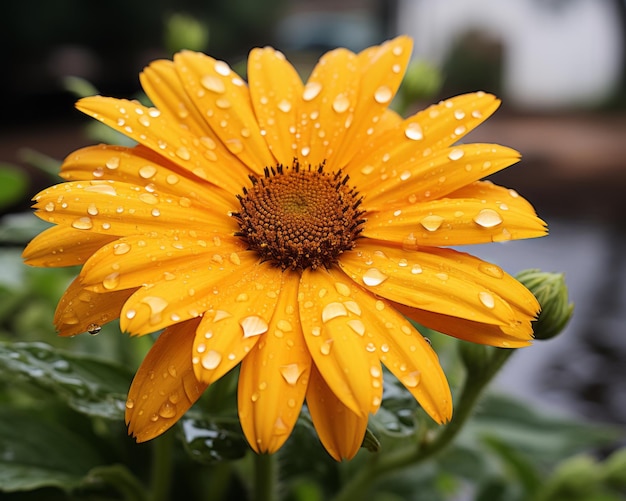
[
  {"x": 211, "y": 359},
  {"x": 167, "y": 410},
  {"x": 491, "y": 270},
  {"x": 416, "y": 269},
  {"x": 147, "y": 171},
  {"x": 357, "y": 326},
  {"x": 253, "y": 326},
  {"x": 411, "y": 380},
  {"x": 93, "y": 329},
  {"x": 325, "y": 347},
  {"x": 414, "y": 131},
  {"x": 383, "y": 94},
  {"x": 82, "y": 223},
  {"x": 284, "y": 106},
  {"x": 121, "y": 248},
  {"x": 373, "y": 277},
  {"x": 183, "y": 153},
  {"x": 488, "y": 218},
  {"x": 333, "y": 310},
  {"x": 111, "y": 281},
  {"x": 341, "y": 103},
  {"x": 432, "y": 222},
  {"x": 311, "y": 91},
  {"x": 456, "y": 154},
  {"x": 291, "y": 373},
  {"x": 213, "y": 83},
  {"x": 487, "y": 299},
  {"x": 130, "y": 403}
]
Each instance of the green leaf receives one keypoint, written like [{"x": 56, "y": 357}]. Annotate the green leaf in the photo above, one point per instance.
[
  {"x": 37, "y": 453},
  {"x": 87, "y": 384},
  {"x": 213, "y": 440},
  {"x": 13, "y": 185}
]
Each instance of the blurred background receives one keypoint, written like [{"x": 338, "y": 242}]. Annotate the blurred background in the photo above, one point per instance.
[{"x": 558, "y": 65}]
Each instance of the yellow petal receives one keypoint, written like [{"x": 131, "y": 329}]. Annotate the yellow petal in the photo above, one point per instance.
[
  {"x": 275, "y": 89},
  {"x": 479, "y": 213},
  {"x": 223, "y": 99},
  {"x": 513, "y": 336},
  {"x": 81, "y": 310},
  {"x": 341, "y": 431},
  {"x": 143, "y": 167},
  {"x": 146, "y": 261},
  {"x": 438, "y": 280},
  {"x": 164, "y": 135},
  {"x": 116, "y": 208},
  {"x": 193, "y": 285},
  {"x": 63, "y": 246},
  {"x": 342, "y": 345},
  {"x": 274, "y": 376},
  {"x": 164, "y": 387},
  {"x": 408, "y": 356},
  {"x": 237, "y": 317},
  {"x": 414, "y": 178},
  {"x": 428, "y": 131}
]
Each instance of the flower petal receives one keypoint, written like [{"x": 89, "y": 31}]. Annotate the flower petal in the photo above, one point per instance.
[
  {"x": 430, "y": 130},
  {"x": 165, "y": 135},
  {"x": 275, "y": 89},
  {"x": 116, "y": 208},
  {"x": 408, "y": 356},
  {"x": 340, "y": 342},
  {"x": 146, "y": 261},
  {"x": 222, "y": 98},
  {"x": 274, "y": 376},
  {"x": 416, "y": 178},
  {"x": 479, "y": 213},
  {"x": 439, "y": 280},
  {"x": 341, "y": 431},
  {"x": 164, "y": 387},
  {"x": 185, "y": 289},
  {"x": 502, "y": 336},
  {"x": 80, "y": 310},
  {"x": 237, "y": 317},
  {"x": 143, "y": 167},
  {"x": 60, "y": 246}
]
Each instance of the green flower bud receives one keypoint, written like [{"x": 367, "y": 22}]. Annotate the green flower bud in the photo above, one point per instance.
[
  {"x": 551, "y": 292},
  {"x": 614, "y": 469},
  {"x": 185, "y": 32}
]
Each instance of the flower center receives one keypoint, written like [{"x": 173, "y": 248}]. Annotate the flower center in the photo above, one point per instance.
[{"x": 300, "y": 218}]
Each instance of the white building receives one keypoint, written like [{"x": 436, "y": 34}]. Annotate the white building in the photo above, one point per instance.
[{"x": 557, "y": 53}]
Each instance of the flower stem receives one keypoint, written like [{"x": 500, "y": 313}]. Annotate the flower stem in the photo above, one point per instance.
[
  {"x": 161, "y": 473},
  {"x": 414, "y": 454},
  {"x": 264, "y": 486}
]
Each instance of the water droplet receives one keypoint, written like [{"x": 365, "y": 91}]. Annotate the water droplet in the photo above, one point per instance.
[
  {"x": 411, "y": 380},
  {"x": 383, "y": 94},
  {"x": 416, "y": 269},
  {"x": 156, "y": 305},
  {"x": 456, "y": 154},
  {"x": 487, "y": 299},
  {"x": 284, "y": 326},
  {"x": 373, "y": 277},
  {"x": 459, "y": 114},
  {"x": 82, "y": 223},
  {"x": 284, "y": 106},
  {"x": 222, "y": 103},
  {"x": 121, "y": 248},
  {"x": 375, "y": 371},
  {"x": 341, "y": 103},
  {"x": 213, "y": 83},
  {"x": 221, "y": 68},
  {"x": 253, "y": 326},
  {"x": 325, "y": 347},
  {"x": 112, "y": 163},
  {"x": 491, "y": 270},
  {"x": 183, "y": 153},
  {"x": 130, "y": 403},
  {"x": 333, "y": 310},
  {"x": 342, "y": 289},
  {"x": 488, "y": 218},
  {"x": 291, "y": 373},
  {"x": 104, "y": 189},
  {"x": 111, "y": 281},
  {"x": 167, "y": 410},
  {"x": 311, "y": 90},
  {"x": 432, "y": 222},
  {"x": 414, "y": 131},
  {"x": 211, "y": 359},
  {"x": 234, "y": 145},
  {"x": 93, "y": 329},
  {"x": 357, "y": 326},
  {"x": 147, "y": 171}
]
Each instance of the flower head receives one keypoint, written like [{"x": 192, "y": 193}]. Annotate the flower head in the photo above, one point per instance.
[{"x": 289, "y": 228}]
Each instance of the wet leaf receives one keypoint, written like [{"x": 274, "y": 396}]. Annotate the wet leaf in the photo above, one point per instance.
[
  {"x": 211, "y": 440},
  {"x": 87, "y": 384},
  {"x": 36, "y": 453}
]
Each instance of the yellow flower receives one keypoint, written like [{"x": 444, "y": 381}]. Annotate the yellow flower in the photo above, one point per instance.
[{"x": 290, "y": 229}]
